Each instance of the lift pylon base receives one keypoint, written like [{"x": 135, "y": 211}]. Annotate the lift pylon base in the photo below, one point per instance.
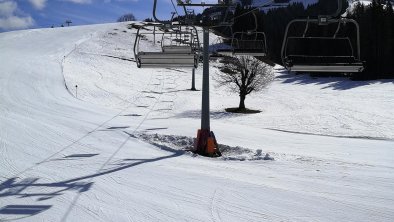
[{"x": 206, "y": 144}]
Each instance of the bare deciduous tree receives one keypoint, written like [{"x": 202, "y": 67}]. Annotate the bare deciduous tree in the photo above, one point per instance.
[{"x": 244, "y": 75}]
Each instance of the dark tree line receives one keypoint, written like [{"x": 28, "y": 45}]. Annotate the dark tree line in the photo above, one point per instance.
[
  {"x": 377, "y": 38},
  {"x": 274, "y": 25},
  {"x": 376, "y": 28},
  {"x": 126, "y": 18}
]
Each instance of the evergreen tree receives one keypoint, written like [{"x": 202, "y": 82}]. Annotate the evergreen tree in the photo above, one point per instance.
[{"x": 377, "y": 40}]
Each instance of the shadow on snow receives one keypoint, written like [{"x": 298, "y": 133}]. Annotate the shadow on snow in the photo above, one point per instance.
[
  {"x": 14, "y": 187},
  {"x": 336, "y": 83}
]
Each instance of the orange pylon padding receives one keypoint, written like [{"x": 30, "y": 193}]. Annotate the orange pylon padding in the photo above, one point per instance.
[
  {"x": 211, "y": 146},
  {"x": 196, "y": 142},
  {"x": 206, "y": 144}
]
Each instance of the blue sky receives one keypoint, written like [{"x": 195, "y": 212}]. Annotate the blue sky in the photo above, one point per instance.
[{"x": 24, "y": 14}]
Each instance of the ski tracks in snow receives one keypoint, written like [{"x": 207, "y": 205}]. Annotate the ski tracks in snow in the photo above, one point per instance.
[
  {"x": 215, "y": 216},
  {"x": 138, "y": 100},
  {"x": 151, "y": 108}
]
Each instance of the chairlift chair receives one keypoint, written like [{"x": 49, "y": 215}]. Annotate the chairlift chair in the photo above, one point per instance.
[
  {"x": 321, "y": 53},
  {"x": 184, "y": 41},
  {"x": 175, "y": 45},
  {"x": 249, "y": 42},
  {"x": 246, "y": 43},
  {"x": 172, "y": 54}
]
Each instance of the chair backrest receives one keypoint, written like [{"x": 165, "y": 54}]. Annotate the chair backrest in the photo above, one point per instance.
[
  {"x": 178, "y": 49},
  {"x": 319, "y": 46}
]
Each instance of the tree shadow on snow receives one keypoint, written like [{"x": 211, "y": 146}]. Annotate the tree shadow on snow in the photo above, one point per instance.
[
  {"x": 77, "y": 156},
  {"x": 117, "y": 127},
  {"x": 80, "y": 155}
]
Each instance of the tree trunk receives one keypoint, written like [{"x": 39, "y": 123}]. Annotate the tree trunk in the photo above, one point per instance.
[{"x": 242, "y": 102}]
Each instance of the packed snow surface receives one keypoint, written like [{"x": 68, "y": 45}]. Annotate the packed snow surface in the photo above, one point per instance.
[{"x": 114, "y": 148}]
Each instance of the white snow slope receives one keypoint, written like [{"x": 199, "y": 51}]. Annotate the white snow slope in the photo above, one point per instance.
[{"x": 96, "y": 157}]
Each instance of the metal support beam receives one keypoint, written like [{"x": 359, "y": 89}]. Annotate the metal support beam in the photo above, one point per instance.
[
  {"x": 193, "y": 80},
  {"x": 205, "y": 119},
  {"x": 154, "y": 35},
  {"x": 206, "y": 143}
]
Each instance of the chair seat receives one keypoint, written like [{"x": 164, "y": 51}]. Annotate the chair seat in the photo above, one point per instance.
[
  {"x": 324, "y": 68},
  {"x": 323, "y": 64},
  {"x": 251, "y": 52},
  {"x": 165, "y": 59},
  {"x": 322, "y": 60}
]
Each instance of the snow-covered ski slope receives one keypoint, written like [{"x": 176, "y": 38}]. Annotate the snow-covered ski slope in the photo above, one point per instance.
[{"x": 97, "y": 158}]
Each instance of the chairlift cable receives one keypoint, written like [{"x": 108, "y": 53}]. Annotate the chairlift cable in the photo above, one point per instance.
[
  {"x": 265, "y": 4},
  {"x": 173, "y": 5}
]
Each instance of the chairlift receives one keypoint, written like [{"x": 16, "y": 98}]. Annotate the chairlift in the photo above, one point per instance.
[
  {"x": 250, "y": 42},
  {"x": 171, "y": 52},
  {"x": 178, "y": 44},
  {"x": 322, "y": 53}
]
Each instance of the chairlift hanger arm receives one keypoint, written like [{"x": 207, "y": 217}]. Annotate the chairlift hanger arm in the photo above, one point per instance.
[
  {"x": 336, "y": 14},
  {"x": 154, "y": 14},
  {"x": 184, "y": 9},
  {"x": 176, "y": 11},
  {"x": 339, "y": 9},
  {"x": 136, "y": 42},
  {"x": 255, "y": 22}
]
